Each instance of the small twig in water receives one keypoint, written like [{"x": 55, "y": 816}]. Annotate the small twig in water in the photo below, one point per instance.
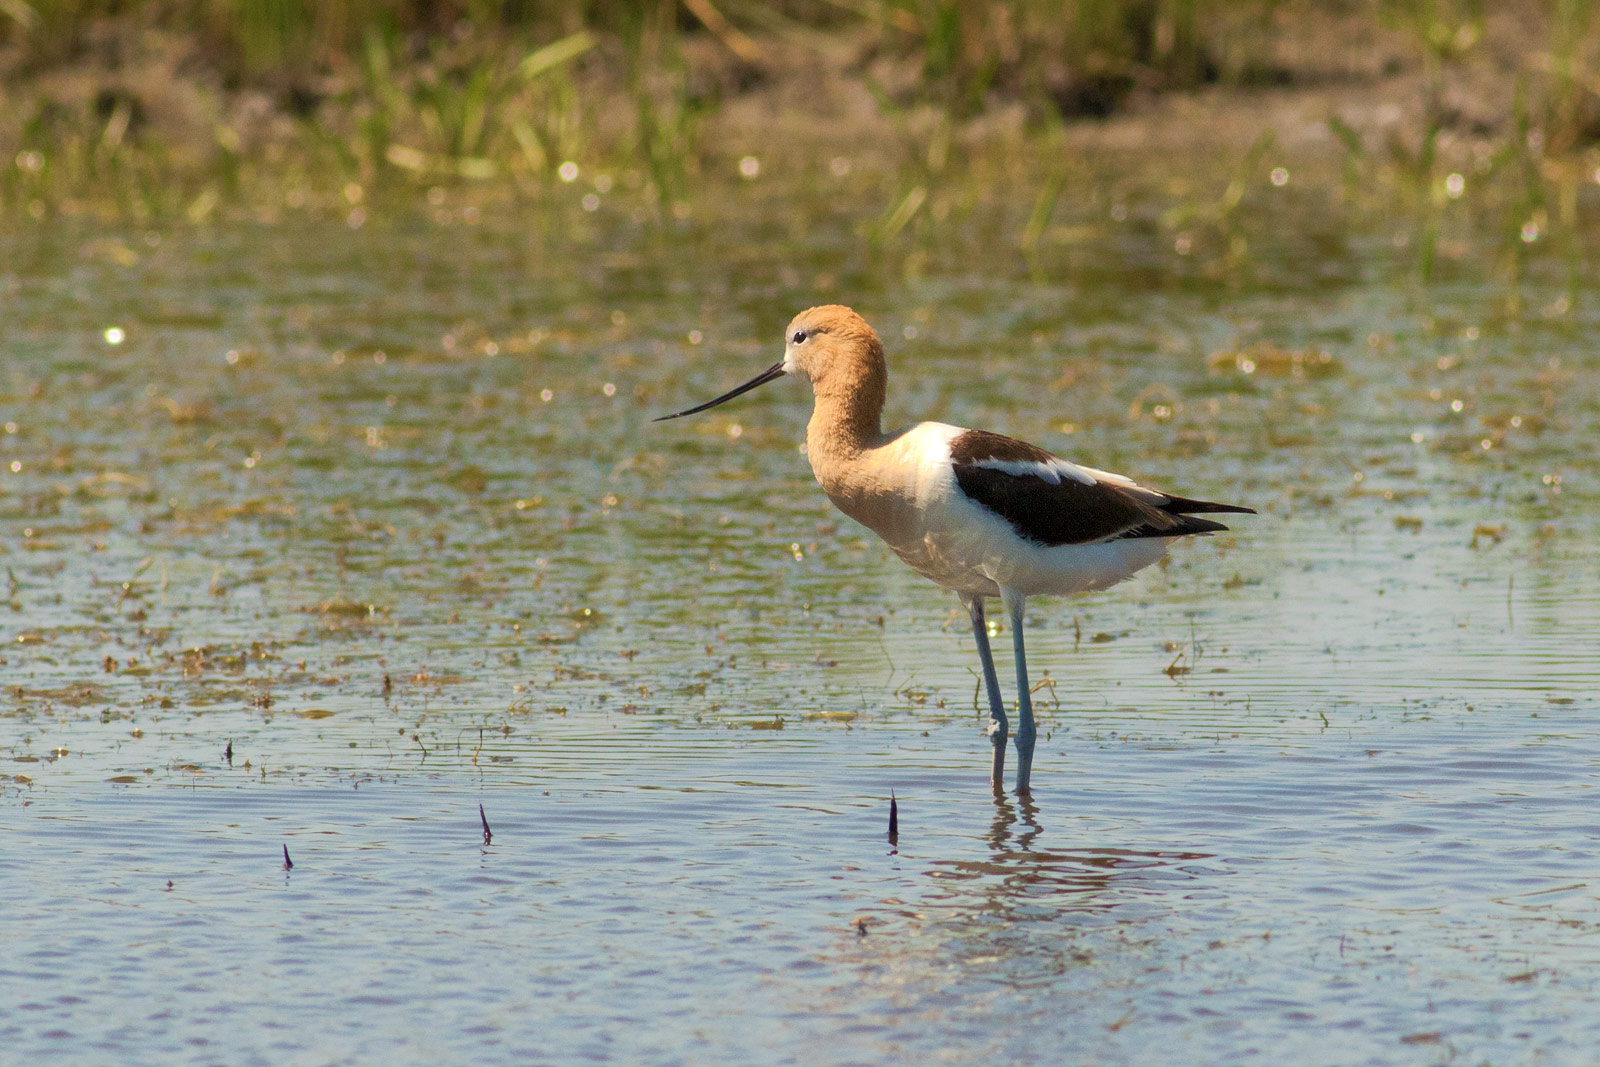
[
  {"x": 488, "y": 837},
  {"x": 887, "y": 659},
  {"x": 288, "y": 864},
  {"x": 127, "y": 586},
  {"x": 1172, "y": 670},
  {"x": 227, "y": 753},
  {"x": 894, "y": 819},
  {"x": 1049, "y": 683}
]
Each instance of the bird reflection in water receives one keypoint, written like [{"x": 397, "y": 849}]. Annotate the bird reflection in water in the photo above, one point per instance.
[
  {"x": 1022, "y": 915},
  {"x": 1023, "y": 879},
  {"x": 1006, "y": 817}
]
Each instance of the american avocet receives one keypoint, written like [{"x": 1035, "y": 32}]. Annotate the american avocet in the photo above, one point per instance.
[{"x": 976, "y": 512}]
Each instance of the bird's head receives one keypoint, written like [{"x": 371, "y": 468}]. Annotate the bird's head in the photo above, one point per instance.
[{"x": 829, "y": 346}]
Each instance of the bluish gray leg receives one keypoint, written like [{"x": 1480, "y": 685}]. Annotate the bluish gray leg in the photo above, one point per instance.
[
  {"x": 1014, "y": 603},
  {"x": 997, "y": 710}
]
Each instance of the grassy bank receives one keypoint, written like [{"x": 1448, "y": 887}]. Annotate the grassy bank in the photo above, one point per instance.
[{"x": 182, "y": 109}]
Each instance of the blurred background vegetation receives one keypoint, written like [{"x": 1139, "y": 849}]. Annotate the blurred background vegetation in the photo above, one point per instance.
[{"x": 174, "y": 108}]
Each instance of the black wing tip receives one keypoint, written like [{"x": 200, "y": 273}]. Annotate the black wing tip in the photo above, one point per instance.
[
  {"x": 1178, "y": 505},
  {"x": 1188, "y": 525},
  {"x": 1192, "y": 525},
  {"x": 1184, "y": 526}
]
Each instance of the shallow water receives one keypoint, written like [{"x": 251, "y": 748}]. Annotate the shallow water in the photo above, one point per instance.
[{"x": 379, "y": 513}]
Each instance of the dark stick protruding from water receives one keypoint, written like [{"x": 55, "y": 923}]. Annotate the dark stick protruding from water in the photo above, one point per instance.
[
  {"x": 487, "y": 835},
  {"x": 227, "y": 753},
  {"x": 894, "y": 819},
  {"x": 288, "y": 864}
]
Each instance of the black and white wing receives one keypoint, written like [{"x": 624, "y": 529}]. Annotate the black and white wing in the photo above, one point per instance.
[{"x": 1052, "y": 501}]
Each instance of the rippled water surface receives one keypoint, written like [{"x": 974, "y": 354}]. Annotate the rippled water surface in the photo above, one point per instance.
[{"x": 318, "y": 538}]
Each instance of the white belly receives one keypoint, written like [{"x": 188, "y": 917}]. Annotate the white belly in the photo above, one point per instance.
[{"x": 984, "y": 553}]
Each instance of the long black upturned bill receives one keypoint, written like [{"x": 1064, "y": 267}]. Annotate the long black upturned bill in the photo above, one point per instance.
[{"x": 774, "y": 371}]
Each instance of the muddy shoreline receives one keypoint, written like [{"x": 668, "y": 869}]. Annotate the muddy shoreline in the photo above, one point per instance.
[{"x": 147, "y": 121}]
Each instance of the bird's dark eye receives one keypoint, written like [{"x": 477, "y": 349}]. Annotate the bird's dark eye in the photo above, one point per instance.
[{"x": 799, "y": 337}]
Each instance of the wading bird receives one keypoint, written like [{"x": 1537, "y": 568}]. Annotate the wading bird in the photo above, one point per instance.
[{"x": 982, "y": 514}]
